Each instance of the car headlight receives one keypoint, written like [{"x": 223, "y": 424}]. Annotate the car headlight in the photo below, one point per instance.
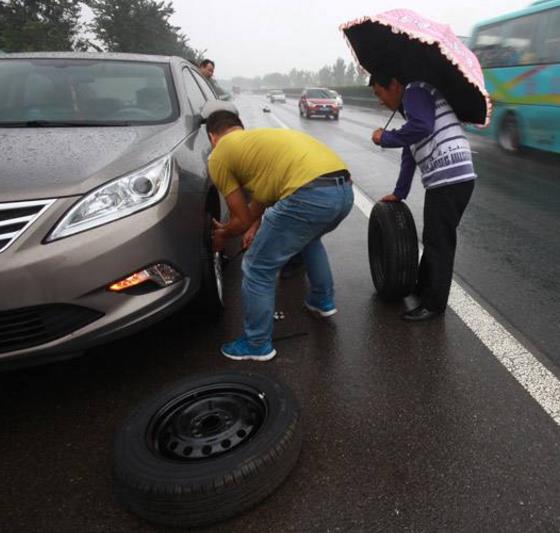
[{"x": 117, "y": 199}]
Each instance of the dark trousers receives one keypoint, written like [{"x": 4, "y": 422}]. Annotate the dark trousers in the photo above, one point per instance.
[{"x": 443, "y": 209}]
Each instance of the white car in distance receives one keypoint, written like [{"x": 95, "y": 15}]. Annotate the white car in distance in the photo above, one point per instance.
[{"x": 277, "y": 95}]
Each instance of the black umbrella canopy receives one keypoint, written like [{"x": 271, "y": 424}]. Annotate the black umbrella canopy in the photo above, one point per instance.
[{"x": 376, "y": 46}]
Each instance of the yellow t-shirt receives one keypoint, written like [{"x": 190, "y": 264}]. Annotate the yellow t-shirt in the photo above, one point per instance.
[{"x": 270, "y": 163}]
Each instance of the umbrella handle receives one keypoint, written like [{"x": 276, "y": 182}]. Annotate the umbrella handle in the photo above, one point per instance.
[{"x": 390, "y": 118}]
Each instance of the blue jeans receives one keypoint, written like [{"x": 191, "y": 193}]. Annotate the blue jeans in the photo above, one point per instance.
[{"x": 294, "y": 224}]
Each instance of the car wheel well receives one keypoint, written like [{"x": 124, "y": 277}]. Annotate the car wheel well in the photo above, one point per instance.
[
  {"x": 509, "y": 134},
  {"x": 212, "y": 204}
]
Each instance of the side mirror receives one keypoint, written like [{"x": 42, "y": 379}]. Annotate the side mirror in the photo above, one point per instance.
[{"x": 197, "y": 121}]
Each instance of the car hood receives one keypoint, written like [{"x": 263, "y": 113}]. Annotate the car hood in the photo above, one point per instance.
[{"x": 54, "y": 162}]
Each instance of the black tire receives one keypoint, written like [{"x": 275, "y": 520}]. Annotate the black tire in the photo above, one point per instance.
[
  {"x": 256, "y": 417},
  {"x": 509, "y": 136},
  {"x": 335, "y": 117},
  {"x": 393, "y": 250},
  {"x": 210, "y": 299}
]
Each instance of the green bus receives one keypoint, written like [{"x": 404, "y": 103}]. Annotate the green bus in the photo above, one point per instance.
[{"x": 520, "y": 56}]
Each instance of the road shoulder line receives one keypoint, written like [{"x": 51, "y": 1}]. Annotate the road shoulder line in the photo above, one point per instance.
[{"x": 529, "y": 372}]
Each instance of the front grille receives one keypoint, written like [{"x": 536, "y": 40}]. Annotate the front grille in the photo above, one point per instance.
[
  {"x": 16, "y": 217},
  {"x": 32, "y": 326}
]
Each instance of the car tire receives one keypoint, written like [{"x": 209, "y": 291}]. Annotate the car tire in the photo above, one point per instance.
[
  {"x": 509, "y": 136},
  {"x": 307, "y": 113},
  {"x": 392, "y": 250},
  {"x": 206, "y": 449},
  {"x": 210, "y": 299},
  {"x": 335, "y": 117}
]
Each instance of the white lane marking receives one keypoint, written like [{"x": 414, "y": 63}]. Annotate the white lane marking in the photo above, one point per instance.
[
  {"x": 535, "y": 378},
  {"x": 280, "y": 123}
]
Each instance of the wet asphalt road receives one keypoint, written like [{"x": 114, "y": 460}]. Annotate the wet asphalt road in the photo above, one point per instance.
[
  {"x": 509, "y": 244},
  {"x": 407, "y": 428}
]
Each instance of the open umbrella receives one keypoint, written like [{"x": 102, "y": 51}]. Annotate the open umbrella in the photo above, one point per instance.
[{"x": 422, "y": 50}]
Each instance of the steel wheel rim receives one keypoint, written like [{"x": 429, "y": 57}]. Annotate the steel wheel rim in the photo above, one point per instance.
[{"x": 207, "y": 422}]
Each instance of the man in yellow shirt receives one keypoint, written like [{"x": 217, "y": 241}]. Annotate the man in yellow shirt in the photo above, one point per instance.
[{"x": 308, "y": 192}]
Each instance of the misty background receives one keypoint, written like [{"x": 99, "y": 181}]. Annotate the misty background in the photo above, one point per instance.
[{"x": 254, "y": 44}]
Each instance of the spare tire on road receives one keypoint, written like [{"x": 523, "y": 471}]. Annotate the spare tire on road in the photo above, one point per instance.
[
  {"x": 206, "y": 449},
  {"x": 393, "y": 250}
]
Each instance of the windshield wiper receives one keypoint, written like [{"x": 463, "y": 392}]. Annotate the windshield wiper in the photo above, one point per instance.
[{"x": 59, "y": 124}]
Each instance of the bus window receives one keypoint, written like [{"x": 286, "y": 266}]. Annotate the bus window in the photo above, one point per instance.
[
  {"x": 551, "y": 39},
  {"x": 519, "y": 40},
  {"x": 520, "y": 56},
  {"x": 488, "y": 46}
]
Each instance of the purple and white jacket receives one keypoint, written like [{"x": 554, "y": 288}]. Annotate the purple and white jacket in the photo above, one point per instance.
[{"x": 432, "y": 139}]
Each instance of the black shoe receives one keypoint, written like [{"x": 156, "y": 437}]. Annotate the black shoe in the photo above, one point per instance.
[{"x": 420, "y": 313}]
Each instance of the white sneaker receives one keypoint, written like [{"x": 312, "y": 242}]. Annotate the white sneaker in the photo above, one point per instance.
[{"x": 324, "y": 311}]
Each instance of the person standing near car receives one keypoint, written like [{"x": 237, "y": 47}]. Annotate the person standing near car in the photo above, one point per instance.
[
  {"x": 433, "y": 140},
  {"x": 206, "y": 68},
  {"x": 308, "y": 192}
]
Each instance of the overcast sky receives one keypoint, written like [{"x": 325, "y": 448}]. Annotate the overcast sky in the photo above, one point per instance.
[{"x": 255, "y": 37}]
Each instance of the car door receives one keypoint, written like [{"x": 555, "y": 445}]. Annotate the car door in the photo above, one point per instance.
[
  {"x": 199, "y": 92},
  {"x": 205, "y": 86},
  {"x": 197, "y": 143}
]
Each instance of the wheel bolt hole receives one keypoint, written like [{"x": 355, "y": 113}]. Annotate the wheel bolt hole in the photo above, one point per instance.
[
  {"x": 241, "y": 433},
  {"x": 173, "y": 445},
  {"x": 226, "y": 443},
  {"x": 187, "y": 450},
  {"x": 207, "y": 450}
]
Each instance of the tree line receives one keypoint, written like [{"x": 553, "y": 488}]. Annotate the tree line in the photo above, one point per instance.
[
  {"x": 339, "y": 74},
  {"x": 135, "y": 26}
]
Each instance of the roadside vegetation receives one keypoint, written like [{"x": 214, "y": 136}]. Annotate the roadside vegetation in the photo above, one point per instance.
[
  {"x": 135, "y": 26},
  {"x": 340, "y": 74}
]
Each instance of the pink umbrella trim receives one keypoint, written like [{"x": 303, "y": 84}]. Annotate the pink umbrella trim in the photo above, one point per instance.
[{"x": 429, "y": 32}]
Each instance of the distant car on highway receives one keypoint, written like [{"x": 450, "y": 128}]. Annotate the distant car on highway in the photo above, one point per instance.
[
  {"x": 277, "y": 96},
  {"x": 318, "y": 101},
  {"x": 106, "y": 205},
  {"x": 338, "y": 98}
]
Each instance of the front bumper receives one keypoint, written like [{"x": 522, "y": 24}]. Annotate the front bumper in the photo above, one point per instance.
[
  {"x": 76, "y": 271},
  {"x": 323, "y": 111}
]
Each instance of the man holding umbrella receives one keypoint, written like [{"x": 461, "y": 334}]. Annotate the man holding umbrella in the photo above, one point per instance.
[
  {"x": 433, "y": 140},
  {"x": 421, "y": 69}
]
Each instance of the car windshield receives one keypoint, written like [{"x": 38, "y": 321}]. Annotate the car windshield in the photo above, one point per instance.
[
  {"x": 76, "y": 92},
  {"x": 277, "y": 92},
  {"x": 318, "y": 93}
]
